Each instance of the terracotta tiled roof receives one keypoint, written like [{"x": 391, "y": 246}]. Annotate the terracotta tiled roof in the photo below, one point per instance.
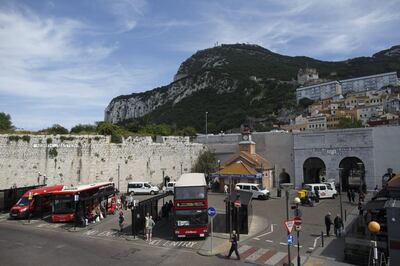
[
  {"x": 252, "y": 160},
  {"x": 238, "y": 168}
]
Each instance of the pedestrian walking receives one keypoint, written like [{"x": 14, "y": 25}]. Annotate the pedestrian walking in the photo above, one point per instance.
[
  {"x": 149, "y": 228},
  {"x": 234, "y": 245},
  {"x": 317, "y": 195},
  {"x": 362, "y": 196},
  {"x": 360, "y": 208},
  {"x": 226, "y": 189},
  {"x": 121, "y": 220},
  {"x": 349, "y": 195},
  {"x": 338, "y": 225},
  {"x": 328, "y": 223},
  {"x": 353, "y": 196}
]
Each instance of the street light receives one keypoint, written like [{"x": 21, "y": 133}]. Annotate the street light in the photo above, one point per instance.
[
  {"x": 374, "y": 228},
  {"x": 296, "y": 201},
  {"x": 340, "y": 192},
  {"x": 206, "y": 128},
  {"x": 287, "y": 187}
]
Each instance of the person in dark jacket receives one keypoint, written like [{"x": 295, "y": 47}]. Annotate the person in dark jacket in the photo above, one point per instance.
[
  {"x": 349, "y": 195},
  {"x": 234, "y": 245},
  {"x": 353, "y": 196},
  {"x": 328, "y": 223},
  {"x": 338, "y": 225}
]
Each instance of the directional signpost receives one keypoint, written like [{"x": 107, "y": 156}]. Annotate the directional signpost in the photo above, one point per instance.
[
  {"x": 211, "y": 212},
  {"x": 290, "y": 240}
]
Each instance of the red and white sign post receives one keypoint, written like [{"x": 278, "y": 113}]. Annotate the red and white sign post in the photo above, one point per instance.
[{"x": 289, "y": 225}]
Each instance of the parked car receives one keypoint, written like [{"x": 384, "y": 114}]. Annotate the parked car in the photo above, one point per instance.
[
  {"x": 325, "y": 190},
  {"x": 142, "y": 188},
  {"x": 170, "y": 187},
  {"x": 256, "y": 189}
]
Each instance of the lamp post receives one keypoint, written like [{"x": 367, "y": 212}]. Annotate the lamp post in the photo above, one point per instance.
[
  {"x": 181, "y": 167},
  {"x": 340, "y": 192},
  {"x": 206, "y": 127},
  {"x": 374, "y": 228},
  {"x": 297, "y": 201}
]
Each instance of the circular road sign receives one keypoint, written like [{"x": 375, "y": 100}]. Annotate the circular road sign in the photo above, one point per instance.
[
  {"x": 211, "y": 211},
  {"x": 297, "y": 221},
  {"x": 237, "y": 204}
]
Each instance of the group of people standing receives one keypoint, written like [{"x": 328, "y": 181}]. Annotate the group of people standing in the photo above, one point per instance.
[
  {"x": 337, "y": 224},
  {"x": 166, "y": 209}
]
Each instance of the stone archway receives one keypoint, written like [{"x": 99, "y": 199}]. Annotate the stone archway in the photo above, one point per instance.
[
  {"x": 314, "y": 170},
  {"x": 352, "y": 173},
  {"x": 283, "y": 177}
]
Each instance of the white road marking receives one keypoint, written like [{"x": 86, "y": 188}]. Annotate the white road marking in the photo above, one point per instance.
[
  {"x": 276, "y": 258},
  {"x": 269, "y": 241},
  {"x": 315, "y": 243},
  {"x": 243, "y": 248},
  {"x": 285, "y": 244},
  {"x": 253, "y": 257},
  {"x": 267, "y": 233}
]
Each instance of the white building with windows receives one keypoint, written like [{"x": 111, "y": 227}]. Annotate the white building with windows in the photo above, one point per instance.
[{"x": 330, "y": 89}]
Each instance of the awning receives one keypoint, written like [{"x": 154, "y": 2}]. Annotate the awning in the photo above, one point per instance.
[{"x": 249, "y": 176}]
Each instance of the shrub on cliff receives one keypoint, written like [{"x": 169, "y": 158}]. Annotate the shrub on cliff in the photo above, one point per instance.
[
  {"x": 109, "y": 129},
  {"x": 83, "y": 129},
  {"x": 54, "y": 130}
]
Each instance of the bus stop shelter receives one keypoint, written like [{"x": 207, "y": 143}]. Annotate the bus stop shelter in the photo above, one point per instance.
[{"x": 239, "y": 218}]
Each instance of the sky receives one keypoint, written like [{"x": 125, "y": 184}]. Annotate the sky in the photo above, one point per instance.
[{"x": 62, "y": 61}]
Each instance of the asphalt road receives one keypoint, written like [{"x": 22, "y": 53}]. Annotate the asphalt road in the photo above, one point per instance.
[{"x": 23, "y": 245}]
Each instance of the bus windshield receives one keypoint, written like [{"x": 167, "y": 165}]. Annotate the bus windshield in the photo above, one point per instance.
[
  {"x": 23, "y": 201},
  {"x": 190, "y": 193},
  {"x": 191, "y": 218},
  {"x": 63, "y": 206}
]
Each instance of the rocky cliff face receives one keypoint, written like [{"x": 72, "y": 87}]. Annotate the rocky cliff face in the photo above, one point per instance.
[{"x": 237, "y": 82}]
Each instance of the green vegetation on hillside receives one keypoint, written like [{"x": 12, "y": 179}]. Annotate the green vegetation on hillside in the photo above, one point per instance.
[
  {"x": 5, "y": 123},
  {"x": 265, "y": 86}
]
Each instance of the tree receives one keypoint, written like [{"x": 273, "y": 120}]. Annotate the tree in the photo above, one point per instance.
[
  {"x": 55, "y": 129},
  {"x": 349, "y": 123},
  {"x": 5, "y": 122},
  {"x": 305, "y": 102},
  {"x": 205, "y": 163},
  {"x": 83, "y": 129}
]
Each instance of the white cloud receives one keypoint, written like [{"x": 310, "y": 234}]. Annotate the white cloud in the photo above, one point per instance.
[
  {"x": 313, "y": 28},
  {"x": 46, "y": 59}
]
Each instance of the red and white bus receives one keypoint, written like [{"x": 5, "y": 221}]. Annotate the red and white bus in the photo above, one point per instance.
[
  {"x": 89, "y": 197},
  {"x": 40, "y": 202},
  {"x": 190, "y": 206}
]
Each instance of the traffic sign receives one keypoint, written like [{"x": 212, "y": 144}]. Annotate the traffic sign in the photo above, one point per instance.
[
  {"x": 237, "y": 204},
  {"x": 211, "y": 211},
  {"x": 298, "y": 228},
  {"x": 289, "y": 225},
  {"x": 297, "y": 221},
  {"x": 290, "y": 240}
]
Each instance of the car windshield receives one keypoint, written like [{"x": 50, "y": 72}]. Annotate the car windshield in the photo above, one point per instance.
[
  {"x": 190, "y": 192},
  {"x": 191, "y": 218},
  {"x": 23, "y": 201}
]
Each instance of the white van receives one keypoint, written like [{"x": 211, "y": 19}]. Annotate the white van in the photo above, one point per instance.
[
  {"x": 258, "y": 191},
  {"x": 170, "y": 187},
  {"x": 325, "y": 190},
  {"x": 142, "y": 188}
]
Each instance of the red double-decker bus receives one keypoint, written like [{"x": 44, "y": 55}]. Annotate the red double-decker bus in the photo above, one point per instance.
[
  {"x": 82, "y": 200},
  {"x": 40, "y": 202},
  {"x": 190, "y": 206}
]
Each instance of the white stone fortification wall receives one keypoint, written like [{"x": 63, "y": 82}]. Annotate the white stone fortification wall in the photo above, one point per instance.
[{"x": 87, "y": 159}]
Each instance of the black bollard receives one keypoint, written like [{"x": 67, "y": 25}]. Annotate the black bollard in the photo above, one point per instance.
[{"x": 322, "y": 239}]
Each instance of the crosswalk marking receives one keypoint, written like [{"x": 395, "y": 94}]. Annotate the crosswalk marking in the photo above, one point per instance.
[
  {"x": 266, "y": 256},
  {"x": 243, "y": 249},
  {"x": 253, "y": 257},
  {"x": 248, "y": 252},
  {"x": 276, "y": 258}
]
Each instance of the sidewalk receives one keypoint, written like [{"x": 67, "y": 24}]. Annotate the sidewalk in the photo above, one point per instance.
[
  {"x": 220, "y": 242},
  {"x": 333, "y": 251}
]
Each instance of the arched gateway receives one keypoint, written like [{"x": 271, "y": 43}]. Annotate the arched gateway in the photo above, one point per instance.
[
  {"x": 314, "y": 170},
  {"x": 352, "y": 173}
]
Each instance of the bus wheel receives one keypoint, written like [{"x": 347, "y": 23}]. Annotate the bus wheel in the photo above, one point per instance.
[{"x": 152, "y": 192}]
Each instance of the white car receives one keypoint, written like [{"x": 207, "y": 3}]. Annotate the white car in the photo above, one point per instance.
[
  {"x": 142, "y": 188},
  {"x": 324, "y": 190},
  {"x": 256, "y": 189},
  {"x": 170, "y": 187}
]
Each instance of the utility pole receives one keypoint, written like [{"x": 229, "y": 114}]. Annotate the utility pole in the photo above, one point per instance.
[{"x": 119, "y": 166}]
